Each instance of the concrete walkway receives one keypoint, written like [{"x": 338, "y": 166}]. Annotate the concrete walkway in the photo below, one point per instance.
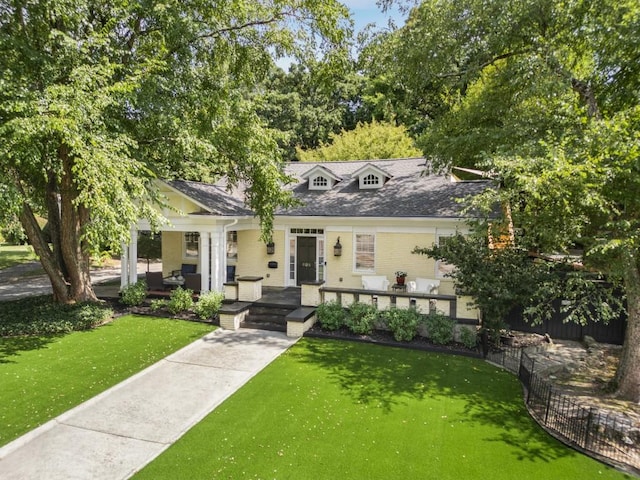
[{"x": 118, "y": 432}]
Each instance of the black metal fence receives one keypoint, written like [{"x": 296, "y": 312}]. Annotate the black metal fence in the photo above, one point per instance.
[{"x": 609, "y": 436}]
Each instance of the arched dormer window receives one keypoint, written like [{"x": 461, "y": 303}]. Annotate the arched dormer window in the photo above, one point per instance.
[
  {"x": 371, "y": 180},
  {"x": 320, "y": 183}
]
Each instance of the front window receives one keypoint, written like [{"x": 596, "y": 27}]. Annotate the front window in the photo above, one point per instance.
[
  {"x": 365, "y": 244},
  {"x": 191, "y": 242}
]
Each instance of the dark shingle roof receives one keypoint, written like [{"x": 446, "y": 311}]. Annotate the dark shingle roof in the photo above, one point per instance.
[{"x": 408, "y": 193}]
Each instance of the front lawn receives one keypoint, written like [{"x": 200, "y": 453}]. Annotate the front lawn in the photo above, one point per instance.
[
  {"x": 11, "y": 255},
  {"x": 331, "y": 409},
  {"x": 42, "y": 377}
]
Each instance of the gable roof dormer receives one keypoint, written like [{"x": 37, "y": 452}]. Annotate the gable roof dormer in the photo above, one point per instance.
[
  {"x": 371, "y": 177},
  {"x": 320, "y": 178}
]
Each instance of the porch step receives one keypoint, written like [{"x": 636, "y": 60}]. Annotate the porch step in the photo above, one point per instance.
[{"x": 265, "y": 317}]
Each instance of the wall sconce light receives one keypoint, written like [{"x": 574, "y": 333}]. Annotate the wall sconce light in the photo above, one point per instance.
[
  {"x": 271, "y": 248},
  {"x": 337, "y": 248}
]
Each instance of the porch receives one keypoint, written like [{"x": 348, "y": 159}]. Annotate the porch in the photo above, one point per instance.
[{"x": 292, "y": 309}]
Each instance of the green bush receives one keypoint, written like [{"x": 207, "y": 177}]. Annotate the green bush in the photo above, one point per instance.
[
  {"x": 468, "y": 337},
  {"x": 134, "y": 294},
  {"x": 41, "y": 316},
  {"x": 440, "y": 328},
  {"x": 157, "y": 304},
  {"x": 361, "y": 318},
  {"x": 180, "y": 300},
  {"x": 403, "y": 323},
  {"x": 208, "y": 305},
  {"x": 331, "y": 315}
]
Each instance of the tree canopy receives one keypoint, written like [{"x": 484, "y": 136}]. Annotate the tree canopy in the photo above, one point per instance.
[
  {"x": 544, "y": 95},
  {"x": 99, "y": 98},
  {"x": 368, "y": 141}
]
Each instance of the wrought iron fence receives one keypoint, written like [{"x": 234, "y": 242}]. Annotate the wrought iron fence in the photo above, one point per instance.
[{"x": 610, "y": 436}]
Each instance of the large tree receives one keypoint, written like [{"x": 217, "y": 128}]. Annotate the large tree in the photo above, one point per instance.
[
  {"x": 545, "y": 94},
  {"x": 99, "y": 97},
  {"x": 374, "y": 140}
]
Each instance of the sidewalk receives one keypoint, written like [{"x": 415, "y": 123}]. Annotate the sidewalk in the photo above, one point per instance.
[
  {"x": 118, "y": 432},
  {"x": 15, "y": 282}
]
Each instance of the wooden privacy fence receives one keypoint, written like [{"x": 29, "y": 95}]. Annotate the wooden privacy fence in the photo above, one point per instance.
[{"x": 557, "y": 327}]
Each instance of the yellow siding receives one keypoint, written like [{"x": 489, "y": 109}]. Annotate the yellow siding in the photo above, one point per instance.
[
  {"x": 171, "y": 251},
  {"x": 253, "y": 259}
]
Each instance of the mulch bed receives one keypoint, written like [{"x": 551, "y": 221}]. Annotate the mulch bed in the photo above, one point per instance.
[{"x": 382, "y": 337}]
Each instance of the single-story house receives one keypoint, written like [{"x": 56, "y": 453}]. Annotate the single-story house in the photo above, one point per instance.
[{"x": 356, "y": 219}]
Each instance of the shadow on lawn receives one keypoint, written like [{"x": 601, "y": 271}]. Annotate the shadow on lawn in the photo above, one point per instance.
[
  {"x": 387, "y": 377},
  {"x": 13, "y": 346}
]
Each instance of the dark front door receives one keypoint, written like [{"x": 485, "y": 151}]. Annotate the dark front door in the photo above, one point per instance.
[{"x": 306, "y": 259}]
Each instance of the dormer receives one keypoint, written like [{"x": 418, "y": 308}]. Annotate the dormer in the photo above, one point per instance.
[
  {"x": 320, "y": 178},
  {"x": 371, "y": 177}
]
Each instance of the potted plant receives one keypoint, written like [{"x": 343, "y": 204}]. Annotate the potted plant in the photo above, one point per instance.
[{"x": 400, "y": 276}]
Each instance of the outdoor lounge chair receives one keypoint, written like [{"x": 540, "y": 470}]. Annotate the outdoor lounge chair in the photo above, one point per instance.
[
  {"x": 185, "y": 269},
  {"x": 193, "y": 281},
  {"x": 155, "y": 281},
  {"x": 375, "y": 282},
  {"x": 424, "y": 285}
]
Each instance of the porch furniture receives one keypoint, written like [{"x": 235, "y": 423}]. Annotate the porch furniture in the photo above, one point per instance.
[
  {"x": 375, "y": 282},
  {"x": 154, "y": 281},
  {"x": 185, "y": 269},
  {"x": 193, "y": 281},
  {"x": 424, "y": 285},
  {"x": 173, "y": 282},
  {"x": 396, "y": 287}
]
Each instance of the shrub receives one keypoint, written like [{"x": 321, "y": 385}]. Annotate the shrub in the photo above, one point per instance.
[
  {"x": 403, "y": 323},
  {"x": 180, "y": 300},
  {"x": 468, "y": 337},
  {"x": 157, "y": 304},
  {"x": 134, "y": 294},
  {"x": 40, "y": 316},
  {"x": 440, "y": 328},
  {"x": 208, "y": 304},
  {"x": 361, "y": 318},
  {"x": 331, "y": 315}
]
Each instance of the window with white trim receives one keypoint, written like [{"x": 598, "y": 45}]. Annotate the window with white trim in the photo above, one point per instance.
[
  {"x": 443, "y": 268},
  {"x": 371, "y": 179},
  {"x": 320, "y": 183},
  {"x": 364, "y": 252},
  {"x": 191, "y": 244}
]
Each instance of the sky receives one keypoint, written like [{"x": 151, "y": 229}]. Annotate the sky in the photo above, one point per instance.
[
  {"x": 366, "y": 11},
  {"x": 363, "y": 13}
]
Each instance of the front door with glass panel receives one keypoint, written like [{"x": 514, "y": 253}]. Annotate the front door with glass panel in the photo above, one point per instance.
[{"x": 306, "y": 256}]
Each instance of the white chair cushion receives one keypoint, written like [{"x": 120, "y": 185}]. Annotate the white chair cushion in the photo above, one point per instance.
[
  {"x": 375, "y": 282},
  {"x": 424, "y": 285}
]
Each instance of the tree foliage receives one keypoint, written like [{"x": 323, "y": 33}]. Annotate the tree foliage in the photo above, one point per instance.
[
  {"x": 309, "y": 103},
  {"x": 545, "y": 96},
  {"x": 375, "y": 140},
  {"x": 99, "y": 98}
]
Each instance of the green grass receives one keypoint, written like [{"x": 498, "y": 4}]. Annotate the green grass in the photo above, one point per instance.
[
  {"x": 330, "y": 409},
  {"x": 42, "y": 377},
  {"x": 15, "y": 254}
]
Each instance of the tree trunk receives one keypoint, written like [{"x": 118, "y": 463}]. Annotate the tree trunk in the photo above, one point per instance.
[
  {"x": 47, "y": 257},
  {"x": 628, "y": 374},
  {"x": 75, "y": 258}
]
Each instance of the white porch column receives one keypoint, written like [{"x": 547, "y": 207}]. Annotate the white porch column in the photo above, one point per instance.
[
  {"x": 124, "y": 266},
  {"x": 133, "y": 257},
  {"x": 218, "y": 259},
  {"x": 205, "y": 263}
]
